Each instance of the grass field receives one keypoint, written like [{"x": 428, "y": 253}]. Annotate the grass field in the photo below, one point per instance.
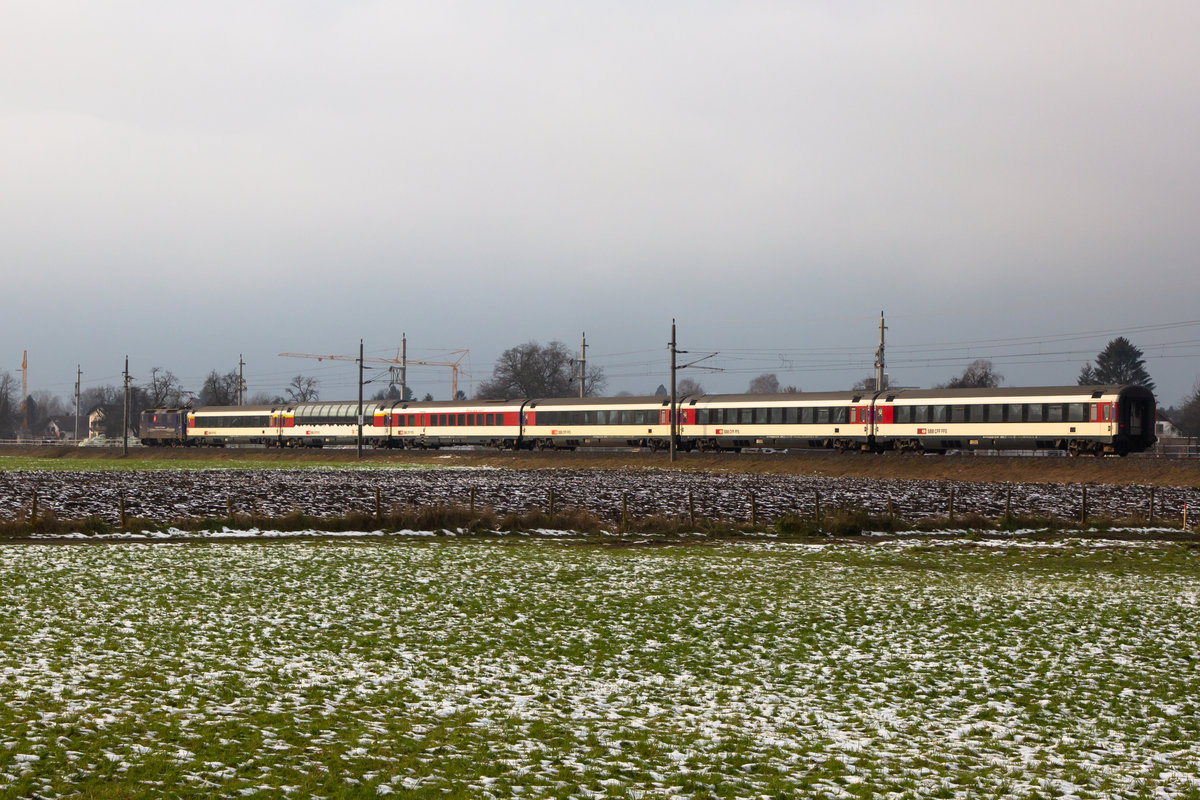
[{"x": 484, "y": 668}]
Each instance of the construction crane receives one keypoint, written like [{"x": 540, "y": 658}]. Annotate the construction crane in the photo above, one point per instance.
[{"x": 400, "y": 362}]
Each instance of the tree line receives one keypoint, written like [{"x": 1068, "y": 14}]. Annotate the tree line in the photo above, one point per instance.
[{"x": 526, "y": 370}]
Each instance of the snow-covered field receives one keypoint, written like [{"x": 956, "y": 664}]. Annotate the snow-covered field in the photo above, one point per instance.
[
  {"x": 173, "y": 494},
  {"x": 439, "y": 668}
]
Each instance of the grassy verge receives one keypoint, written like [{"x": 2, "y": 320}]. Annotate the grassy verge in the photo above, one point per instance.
[{"x": 835, "y": 522}]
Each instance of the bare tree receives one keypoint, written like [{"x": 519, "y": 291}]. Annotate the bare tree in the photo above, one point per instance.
[
  {"x": 8, "y": 394},
  {"x": 867, "y": 384},
  {"x": 392, "y": 394},
  {"x": 534, "y": 370},
  {"x": 303, "y": 389},
  {"x": 767, "y": 383},
  {"x": 220, "y": 390},
  {"x": 1189, "y": 416},
  {"x": 264, "y": 399},
  {"x": 687, "y": 386},
  {"x": 163, "y": 390},
  {"x": 979, "y": 374}
]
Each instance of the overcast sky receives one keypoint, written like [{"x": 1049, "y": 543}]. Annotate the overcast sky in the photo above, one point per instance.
[{"x": 186, "y": 182}]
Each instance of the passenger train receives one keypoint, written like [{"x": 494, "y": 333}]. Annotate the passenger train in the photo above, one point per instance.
[{"x": 1097, "y": 420}]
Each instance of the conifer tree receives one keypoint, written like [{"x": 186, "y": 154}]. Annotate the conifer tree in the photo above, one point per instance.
[{"x": 1120, "y": 362}]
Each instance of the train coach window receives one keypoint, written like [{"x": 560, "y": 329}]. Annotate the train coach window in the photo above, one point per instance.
[
  {"x": 822, "y": 416},
  {"x": 939, "y": 413},
  {"x": 1076, "y": 412},
  {"x": 462, "y": 420},
  {"x": 975, "y": 413},
  {"x": 994, "y": 413},
  {"x": 902, "y": 415},
  {"x": 1054, "y": 412},
  {"x": 1033, "y": 412},
  {"x": 791, "y": 416},
  {"x": 958, "y": 413},
  {"x": 806, "y": 416},
  {"x": 1016, "y": 412},
  {"x": 841, "y": 415}
]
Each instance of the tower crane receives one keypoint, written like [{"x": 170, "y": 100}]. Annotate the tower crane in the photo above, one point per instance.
[{"x": 400, "y": 362}]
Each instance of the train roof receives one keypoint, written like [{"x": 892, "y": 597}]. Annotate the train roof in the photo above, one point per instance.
[
  {"x": 423, "y": 404},
  {"x": 645, "y": 400},
  {"x": 780, "y": 397},
  {"x": 1083, "y": 392},
  {"x": 236, "y": 409}
]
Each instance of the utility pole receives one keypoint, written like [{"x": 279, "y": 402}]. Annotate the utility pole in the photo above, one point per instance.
[
  {"x": 125, "y": 412},
  {"x": 403, "y": 366},
  {"x": 25, "y": 394},
  {"x": 360, "y": 395},
  {"x": 582, "y": 362},
  {"x": 879, "y": 363},
  {"x": 673, "y": 347},
  {"x": 674, "y": 429},
  {"x": 241, "y": 381},
  {"x": 78, "y": 376}
]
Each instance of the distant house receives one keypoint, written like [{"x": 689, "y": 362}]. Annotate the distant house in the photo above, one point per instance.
[
  {"x": 1172, "y": 441},
  {"x": 63, "y": 427},
  {"x": 96, "y": 422},
  {"x": 1165, "y": 429}
]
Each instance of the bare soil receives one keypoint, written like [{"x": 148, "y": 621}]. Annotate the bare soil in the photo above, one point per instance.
[
  {"x": 762, "y": 487},
  {"x": 1133, "y": 470}
]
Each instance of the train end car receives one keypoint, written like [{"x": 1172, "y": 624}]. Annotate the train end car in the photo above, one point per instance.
[
  {"x": 1096, "y": 420},
  {"x": 163, "y": 427}
]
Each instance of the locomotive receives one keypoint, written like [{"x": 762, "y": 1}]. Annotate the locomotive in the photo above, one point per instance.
[{"x": 1097, "y": 420}]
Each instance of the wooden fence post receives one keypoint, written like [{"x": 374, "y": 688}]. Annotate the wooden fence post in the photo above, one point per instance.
[
  {"x": 1151, "y": 517},
  {"x": 1083, "y": 510},
  {"x": 951, "y": 503},
  {"x": 378, "y": 507},
  {"x": 624, "y": 511},
  {"x": 551, "y": 505},
  {"x": 817, "y": 507},
  {"x": 1008, "y": 503},
  {"x": 33, "y": 509},
  {"x": 472, "y": 501},
  {"x": 124, "y": 517},
  {"x": 753, "y": 510},
  {"x": 691, "y": 508}
]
